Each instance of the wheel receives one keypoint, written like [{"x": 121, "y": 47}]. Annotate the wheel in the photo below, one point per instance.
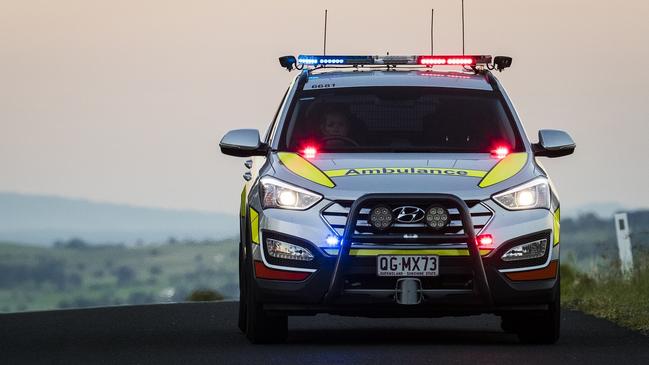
[
  {"x": 541, "y": 327},
  {"x": 261, "y": 326}
]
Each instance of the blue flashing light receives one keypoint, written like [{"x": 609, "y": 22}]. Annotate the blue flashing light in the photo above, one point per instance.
[
  {"x": 332, "y": 61},
  {"x": 307, "y": 60},
  {"x": 315, "y": 60},
  {"x": 332, "y": 240}
]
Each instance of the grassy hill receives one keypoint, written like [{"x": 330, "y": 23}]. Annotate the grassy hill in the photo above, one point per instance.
[{"x": 79, "y": 275}]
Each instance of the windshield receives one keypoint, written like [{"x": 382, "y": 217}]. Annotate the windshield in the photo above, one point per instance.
[{"x": 399, "y": 119}]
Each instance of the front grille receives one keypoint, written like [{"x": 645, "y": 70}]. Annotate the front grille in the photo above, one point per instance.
[{"x": 336, "y": 217}]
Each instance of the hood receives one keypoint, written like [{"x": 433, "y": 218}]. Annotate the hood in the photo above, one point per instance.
[{"x": 358, "y": 174}]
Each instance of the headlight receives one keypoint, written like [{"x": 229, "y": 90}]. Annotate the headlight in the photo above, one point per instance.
[
  {"x": 534, "y": 194},
  {"x": 531, "y": 250},
  {"x": 278, "y": 194}
]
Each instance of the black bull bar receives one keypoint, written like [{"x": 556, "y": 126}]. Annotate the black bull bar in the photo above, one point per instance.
[{"x": 481, "y": 285}]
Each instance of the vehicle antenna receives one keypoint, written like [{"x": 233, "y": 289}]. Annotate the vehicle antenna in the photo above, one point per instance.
[
  {"x": 432, "y": 23},
  {"x": 462, "y": 27},
  {"x": 324, "y": 47}
]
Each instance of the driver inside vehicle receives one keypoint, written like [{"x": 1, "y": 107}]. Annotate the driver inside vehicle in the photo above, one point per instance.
[{"x": 336, "y": 127}]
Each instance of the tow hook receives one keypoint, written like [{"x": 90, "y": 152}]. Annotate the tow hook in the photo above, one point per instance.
[{"x": 408, "y": 291}]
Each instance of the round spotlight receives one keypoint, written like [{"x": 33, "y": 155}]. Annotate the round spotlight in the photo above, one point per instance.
[
  {"x": 380, "y": 217},
  {"x": 437, "y": 217}
]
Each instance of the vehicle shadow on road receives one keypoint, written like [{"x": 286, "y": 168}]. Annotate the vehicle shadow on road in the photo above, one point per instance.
[
  {"x": 336, "y": 330},
  {"x": 391, "y": 336}
]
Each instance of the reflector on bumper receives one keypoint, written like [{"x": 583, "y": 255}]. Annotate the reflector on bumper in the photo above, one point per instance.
[
  {"x": 548, "y": 272},
  {"x": 263, "y": 272}
]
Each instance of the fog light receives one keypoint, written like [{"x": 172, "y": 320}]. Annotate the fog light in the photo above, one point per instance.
[
  {"x": 381, "y": 217},
  {"x": 288, "y": 251},
  {"x": 436, "y": 217},
  {"x": 527, "y": 251}
]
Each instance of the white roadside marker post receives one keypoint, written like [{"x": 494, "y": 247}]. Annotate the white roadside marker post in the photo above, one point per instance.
[{"x": 624, "y": 243}]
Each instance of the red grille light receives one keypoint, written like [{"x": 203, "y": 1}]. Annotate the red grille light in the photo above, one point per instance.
[{"x": 485, "y": 240}]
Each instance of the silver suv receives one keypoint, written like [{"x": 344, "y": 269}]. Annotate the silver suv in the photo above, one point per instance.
[{"x": 398, "y": 186}]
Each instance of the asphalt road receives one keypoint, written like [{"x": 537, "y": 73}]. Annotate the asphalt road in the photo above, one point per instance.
[{"x": 206, "y": 333}]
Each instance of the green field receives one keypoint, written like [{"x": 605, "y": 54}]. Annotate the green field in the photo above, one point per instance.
[{"x": 78, "y": 275}]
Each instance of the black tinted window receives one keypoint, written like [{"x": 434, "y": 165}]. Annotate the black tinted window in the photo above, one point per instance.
[{"x": 385, "y": 119}]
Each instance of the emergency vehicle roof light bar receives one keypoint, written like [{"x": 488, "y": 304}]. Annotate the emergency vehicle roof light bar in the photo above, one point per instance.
[{"x": 290, "y": 62}]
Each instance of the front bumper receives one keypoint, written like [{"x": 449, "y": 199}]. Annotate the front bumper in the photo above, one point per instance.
[{"x": 347, "y": 284}]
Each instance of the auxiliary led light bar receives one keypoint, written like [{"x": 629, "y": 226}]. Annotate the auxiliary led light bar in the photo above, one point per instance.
[{"x": 322, "y": 60}]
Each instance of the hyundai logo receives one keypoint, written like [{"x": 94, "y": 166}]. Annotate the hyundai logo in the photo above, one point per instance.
[{"x": 408, "y": 214}]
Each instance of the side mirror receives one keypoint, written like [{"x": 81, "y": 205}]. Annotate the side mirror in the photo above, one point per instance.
[
  {"x": 554, "y": 143},
  {"x": 243, "y": 143}
]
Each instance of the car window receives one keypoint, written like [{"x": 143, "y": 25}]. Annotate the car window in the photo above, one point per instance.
[{"x": 400, "y": 119}]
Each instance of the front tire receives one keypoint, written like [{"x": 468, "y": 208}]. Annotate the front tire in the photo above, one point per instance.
[
  {"x": 262, "y": 326},
  {"x": 541, "y": 328},
  {"x": 258, "y": 325},
  {"x": 538, "y": 327}
]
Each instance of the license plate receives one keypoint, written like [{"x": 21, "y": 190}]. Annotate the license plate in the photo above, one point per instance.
[{"x": 407, "y": 265}]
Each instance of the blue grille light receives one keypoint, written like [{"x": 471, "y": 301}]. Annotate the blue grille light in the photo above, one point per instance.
[{"x": 332, "y": 241}]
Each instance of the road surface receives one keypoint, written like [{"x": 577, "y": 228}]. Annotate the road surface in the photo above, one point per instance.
[{"x": 206, "y": 333}]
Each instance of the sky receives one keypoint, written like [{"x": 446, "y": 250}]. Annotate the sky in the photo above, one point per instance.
[{"x": 126, "y": 101}]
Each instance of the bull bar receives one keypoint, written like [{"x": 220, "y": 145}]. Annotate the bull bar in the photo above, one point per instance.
[{"x": 481, "y": 288}]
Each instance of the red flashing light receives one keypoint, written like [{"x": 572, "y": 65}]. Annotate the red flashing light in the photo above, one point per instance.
[
  {"x": 263, "y": 272},
  {"x": 500, "y": 152},
  {"x": 446, "y": 60},
  {"x": 485, "y": 240},
  {"x": 310, "y": 152}
]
